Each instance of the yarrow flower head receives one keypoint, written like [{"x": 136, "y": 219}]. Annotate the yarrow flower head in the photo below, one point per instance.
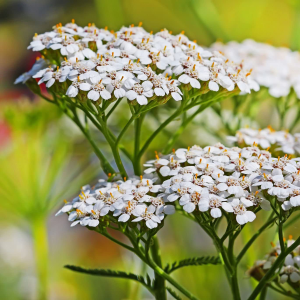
[
  {"x": 220, "y": 180},
  {"x": 133, "y": 200},
  {"x": 96, "y": 64},
  {"x": 275, "y": 68},
  {"x": 268, "y": 138}
]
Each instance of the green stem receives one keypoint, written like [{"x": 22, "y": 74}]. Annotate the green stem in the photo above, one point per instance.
[
  {"x": 280, "y": 233},
  {"x": 121, "y": 147},
  {"x": 184, "y": 124},
  {"x": 106, "y": 234},
  {"x": 227, "y": 258},
  {"x": 107, "y": 168},
  {"x": 113, "y": 108},
  {"x": 284, "y": 293},
  {"x": 40, "y": 240},
  {"x": 159, "y": 282},
  {"x": 235, "y": 286},
  {"x": 166, "y": 276},
  {"x": 233, "y": 280},
  {"x": 123, "y": 131},
  {"x": 156, "y": 268},
  {"x": 114, "y": 148},
  {"x": 254, "y": 237},
  {"x": 263, "y": 293},
  {"x": 158, "y": 130},
  {"x": 137, "y": 158}
]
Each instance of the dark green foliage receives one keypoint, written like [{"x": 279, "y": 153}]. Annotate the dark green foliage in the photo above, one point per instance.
[{"x": 194, "y": 261}]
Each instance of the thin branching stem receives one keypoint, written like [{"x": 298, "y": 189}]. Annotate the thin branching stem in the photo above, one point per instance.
[{"x": 254, "y": 237}]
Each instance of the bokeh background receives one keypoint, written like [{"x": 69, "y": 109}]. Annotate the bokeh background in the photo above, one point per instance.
[{"x": 45, "y": 160}]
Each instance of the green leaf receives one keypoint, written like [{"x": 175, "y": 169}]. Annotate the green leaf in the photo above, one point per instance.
[
  {"x": 117, "y": 274},
  {"x": 194, "y": 261},
  {"x": 173, "y": 293}
]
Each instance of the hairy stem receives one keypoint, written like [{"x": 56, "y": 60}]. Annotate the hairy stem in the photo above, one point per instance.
[
  {"x": 114, "y": 107},
  {"x": 159, "y": 129},
  {"x": 184, "y": 124},
  {"x": 113, "y": 147},
  {"x": 137, "y": 158},
  {"x": 254, "y": 237},
  {"x": 159, "y": 282},
  {"x": 142, "y": 254},
  {"x": 107, "y": 168}
]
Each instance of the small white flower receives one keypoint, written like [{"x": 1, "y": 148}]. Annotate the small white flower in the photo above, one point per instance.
[
  {"x": 73, "y": 89},
  {"x": 141, "y": 92},
  {"x": 289, "y": 273},
  {"x": 197, "y": 197},
  {"x": 125, "y": 213},
  {"x": 66, "y": 44},
  {"x": 215, "y": 203},
  {"x": 95, "y": 91},
  {"x": 243, "y": 216},
  {"x": 77, "y": 216},
  {"x": 193, "y": 75},
  {"x": 41, "y": 41},
  {"x": 143, "y": 212},
  {"x": 66, "y": 208}
]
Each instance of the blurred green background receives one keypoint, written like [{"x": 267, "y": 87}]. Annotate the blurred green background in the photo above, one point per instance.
[{"x": 44, "y": 159}]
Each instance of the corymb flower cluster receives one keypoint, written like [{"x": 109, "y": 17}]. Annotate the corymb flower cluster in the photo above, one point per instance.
[
  {"x": 277, "y": 69},
  {"x": 215, "y": 179},
  {"x": 268, "y": 138},
  {"x": 92, "y": 63},
  {"x": 135, "y": 199}
]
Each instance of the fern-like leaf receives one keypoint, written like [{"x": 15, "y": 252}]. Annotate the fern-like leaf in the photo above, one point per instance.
[
  {"x": 116, "y": 274},
  {"x": 175, "y": 296},
  {"x": 194, "y": 261}
]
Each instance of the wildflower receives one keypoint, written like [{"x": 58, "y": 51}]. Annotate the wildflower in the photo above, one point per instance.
[
  {"x": 125, "y": 213},
  {"x": 147, "y": 214},
  {"x": 193, "y": 75},
  {"x": 273, "y": 68},
  {"x": 73, "y": 89},
  {"x": 215, "y": 203},
  {"x": 41, "y": 41},
  {"x": 141, "y": 92},
  {"x": 66, "y": 44},
  {"x": 77, "y": 216},
  {"x": 243, "y": 216},
  {"x": 95, "y": 91}
]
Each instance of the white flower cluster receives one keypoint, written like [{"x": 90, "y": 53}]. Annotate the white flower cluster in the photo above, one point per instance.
[
  {"x": 290, "y": 271},
  {"x": 213, "y": 179},
  {"x": 267, "y": 138},
  {"x": 235, "y": 180},
  {"x": 137, "y": 200},
  {"x": 131, "y": 63},
  {"x": 277, "y": 69},
  {"x": 280, "y": 178}
]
